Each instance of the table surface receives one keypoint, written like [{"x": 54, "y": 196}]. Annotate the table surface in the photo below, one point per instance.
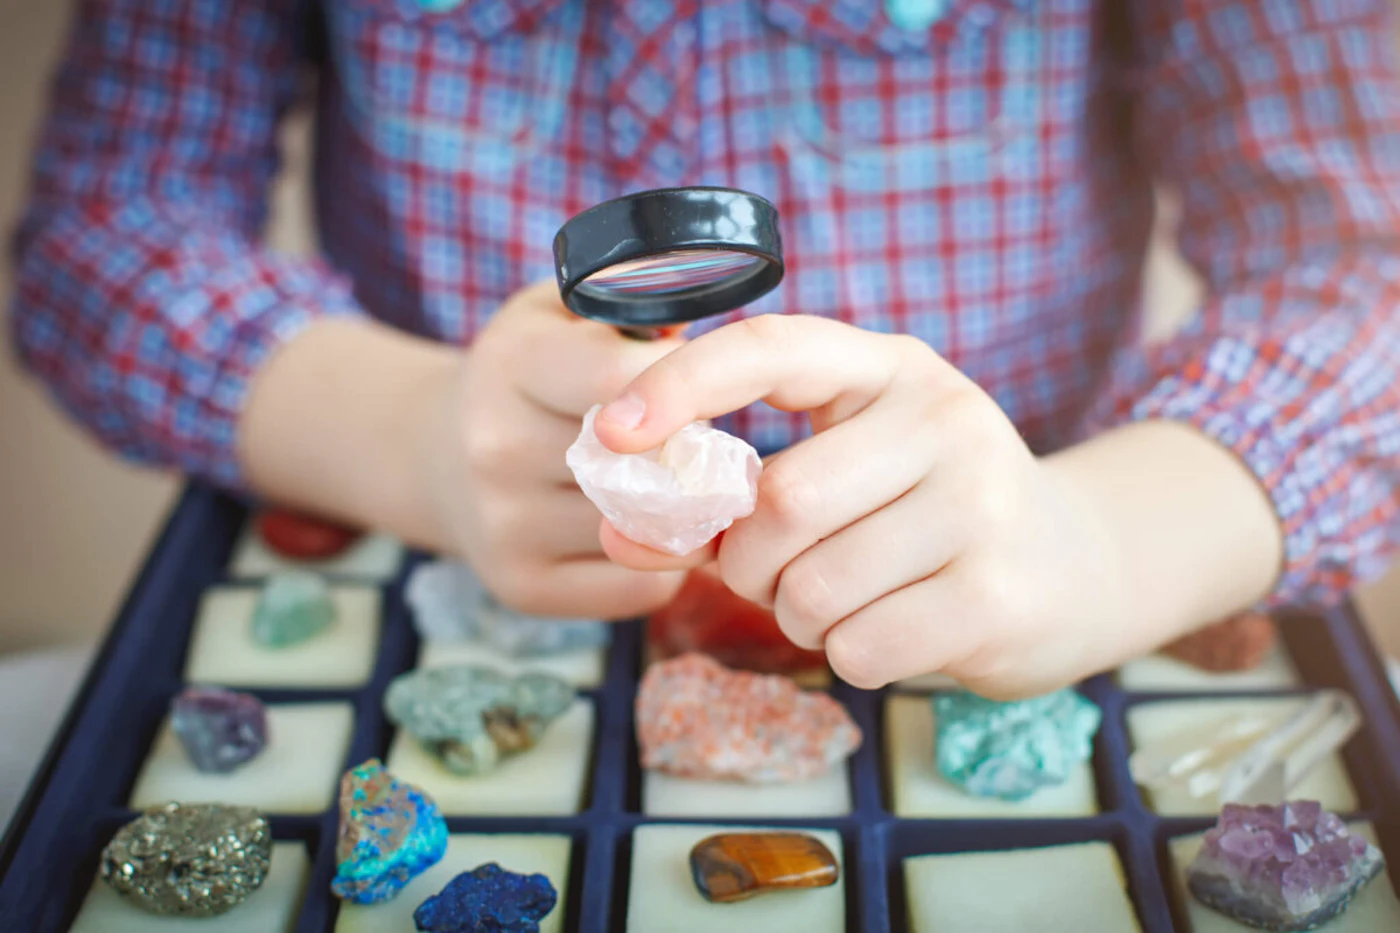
[{"x": 35, "y": 689}]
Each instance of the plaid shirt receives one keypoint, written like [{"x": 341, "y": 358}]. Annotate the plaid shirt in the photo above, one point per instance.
[{"x": 974, "y": 172}]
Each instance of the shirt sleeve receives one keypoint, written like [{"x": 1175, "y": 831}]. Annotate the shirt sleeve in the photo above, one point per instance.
[
  {"x": 1279, "y": 126},
  {"x": 145, "y": 299}
]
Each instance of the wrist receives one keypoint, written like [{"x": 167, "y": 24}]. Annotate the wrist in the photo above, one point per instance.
[
  {"x": 1184, "y": 527},
  {"x": 337, "y": 423}
]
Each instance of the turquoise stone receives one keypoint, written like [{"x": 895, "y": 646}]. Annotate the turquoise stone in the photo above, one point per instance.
[
  {"x": 1011, "y": 750},
  {"x": 294, "y": 606},
  {"x": 390, "y": 832},
  {"x": 469, "y": 716}
]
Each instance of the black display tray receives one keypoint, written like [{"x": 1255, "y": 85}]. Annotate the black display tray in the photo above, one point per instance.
[{"x": 77, "y": 800}]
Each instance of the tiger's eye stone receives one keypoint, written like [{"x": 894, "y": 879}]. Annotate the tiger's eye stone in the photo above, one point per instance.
[
  {"x": 302, "y": 537},
  {"x": 735, "y": 866}
]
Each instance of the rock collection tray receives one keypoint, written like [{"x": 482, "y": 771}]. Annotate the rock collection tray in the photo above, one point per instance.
[{"x": 912, "y": 854}]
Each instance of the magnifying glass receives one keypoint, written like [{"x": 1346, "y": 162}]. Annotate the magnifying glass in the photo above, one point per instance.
[{"x": 654, "y": 260}]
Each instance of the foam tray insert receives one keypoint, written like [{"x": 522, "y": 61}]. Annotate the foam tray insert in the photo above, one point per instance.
[{"x": 605, "y": 853}]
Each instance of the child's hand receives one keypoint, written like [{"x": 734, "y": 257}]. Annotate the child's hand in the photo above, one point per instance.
[
  {"x": 509, "y": 502},
  {"x": 914, "y": 532}
]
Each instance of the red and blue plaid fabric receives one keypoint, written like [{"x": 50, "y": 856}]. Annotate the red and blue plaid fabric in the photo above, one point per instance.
[{"x": 983, "y": 183}]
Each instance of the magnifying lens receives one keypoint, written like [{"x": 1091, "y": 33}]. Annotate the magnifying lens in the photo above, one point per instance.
[{"x": 657, "y": 259}]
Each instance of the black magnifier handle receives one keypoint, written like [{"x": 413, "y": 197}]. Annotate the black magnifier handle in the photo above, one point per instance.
[{"x": 642, "y": 333}]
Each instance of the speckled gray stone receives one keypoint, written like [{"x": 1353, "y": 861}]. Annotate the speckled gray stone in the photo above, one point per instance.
[{"x": 470, "y": 715}]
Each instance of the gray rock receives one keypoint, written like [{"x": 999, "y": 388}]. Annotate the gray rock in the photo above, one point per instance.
[{"x": 470, "y": 716}]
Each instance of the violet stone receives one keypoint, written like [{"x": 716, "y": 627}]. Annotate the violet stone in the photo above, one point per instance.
[
  {"x": 488, "y": 899},
  {"x": 220, "y": 729},
  {"x": 1288, "y": 867}
]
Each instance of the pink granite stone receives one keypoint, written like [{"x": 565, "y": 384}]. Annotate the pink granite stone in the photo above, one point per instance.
[
  {"x": 674, "y": 498},
  {"x": 696, "y": 718}
]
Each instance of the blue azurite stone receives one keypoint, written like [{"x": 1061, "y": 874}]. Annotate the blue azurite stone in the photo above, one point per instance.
[
  {"x": 488, "y": 899},
  {"x": 1011, "y": 750},
  {"x": 390, "y": 832}
]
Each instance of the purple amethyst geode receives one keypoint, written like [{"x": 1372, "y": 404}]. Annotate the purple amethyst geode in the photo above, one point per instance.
[
  {"x": 220, "y": 729},
  {"x": 1289, "y": 867}
]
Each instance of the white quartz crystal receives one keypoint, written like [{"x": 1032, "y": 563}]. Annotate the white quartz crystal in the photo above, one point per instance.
[
  {"x": 674, "y": 498},
  {"x": 1153, "y": 725}
]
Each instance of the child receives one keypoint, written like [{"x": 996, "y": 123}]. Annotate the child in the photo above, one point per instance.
[{"x": 1002, "y": 485}]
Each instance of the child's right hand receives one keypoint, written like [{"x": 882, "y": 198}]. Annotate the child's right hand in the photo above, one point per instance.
[{"x": 508, "y": 501}]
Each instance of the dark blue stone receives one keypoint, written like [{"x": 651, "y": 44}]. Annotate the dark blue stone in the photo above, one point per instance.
[{"x": 488, "y": 899}]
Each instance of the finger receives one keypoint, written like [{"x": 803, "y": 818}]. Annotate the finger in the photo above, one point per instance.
[
  {"x": 576, "y": 363},
  {"x": 793, "y": 363},
  {"x": 559, "y": 523},
  {"x": 594, "y": 589},
  {"x": 920, "y": 629},
  {"x": 814, "y": 489},
  {"x": 520, "y": 443},
  {"x": 907, "y": 541},
  {"x": 628, "y": 553}
]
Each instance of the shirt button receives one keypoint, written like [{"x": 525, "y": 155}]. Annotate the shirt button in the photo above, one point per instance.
[{"x": 915, "y": 15}]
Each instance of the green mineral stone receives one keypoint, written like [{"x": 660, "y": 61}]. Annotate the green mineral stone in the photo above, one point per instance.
[
  {"x": 469, "y": 716},
  {"x": 189, "y": 860},
  {"x": 1011, "y": 750},
  {"x": 294, "y": 606}
]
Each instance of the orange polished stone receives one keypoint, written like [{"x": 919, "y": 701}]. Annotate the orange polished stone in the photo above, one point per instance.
[
  {"x": 1235, "y": 644},
  {"x": 735, "y": 866}
]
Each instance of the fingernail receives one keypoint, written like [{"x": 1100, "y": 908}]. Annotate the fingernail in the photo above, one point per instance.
[{"x": 626, "y": 411}]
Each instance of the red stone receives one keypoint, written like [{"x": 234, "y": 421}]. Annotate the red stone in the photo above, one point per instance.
[
  {"x": 1235, "y": 644},
  {"x": 302, "y": 537},
  {"x": 706, "y": 617}
]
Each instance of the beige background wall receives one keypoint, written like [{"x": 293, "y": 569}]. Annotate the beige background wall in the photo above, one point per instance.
[{"x": 74, "y": 522}]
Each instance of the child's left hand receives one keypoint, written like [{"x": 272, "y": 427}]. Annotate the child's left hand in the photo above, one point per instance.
[{"x": 913, "y": 532}]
